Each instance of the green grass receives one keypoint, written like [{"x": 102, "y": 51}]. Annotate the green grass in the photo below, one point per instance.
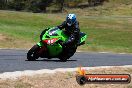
[
  {"x": 112, "y": 34},
  {"x": 105, "y": 33},
  {"x": 22, "y": 26}
]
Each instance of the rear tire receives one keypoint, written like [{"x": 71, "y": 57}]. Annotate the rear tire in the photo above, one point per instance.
[
  {"x": 63, "y": 58},
  {"x": 32, "y": 53},
  {"x": 66, "y": 54}
]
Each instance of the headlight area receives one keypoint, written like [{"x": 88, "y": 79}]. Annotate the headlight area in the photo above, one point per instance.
[{"x": 50, "y": 41}]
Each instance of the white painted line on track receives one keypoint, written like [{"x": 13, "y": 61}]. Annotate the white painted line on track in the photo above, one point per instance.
[
  {"x": 79, "y": 51},
  {"x": 103, "y": 52},
  {"x": 14, "y": 48},
  {"x": 114, "y": 53},
  {"x": 16, "y": 74}
]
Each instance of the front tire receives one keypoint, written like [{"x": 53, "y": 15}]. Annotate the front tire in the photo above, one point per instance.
[{"x": 32, "y": 53}]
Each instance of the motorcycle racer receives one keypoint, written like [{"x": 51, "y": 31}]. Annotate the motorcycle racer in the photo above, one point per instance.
[{"x": 71, "y": 26}]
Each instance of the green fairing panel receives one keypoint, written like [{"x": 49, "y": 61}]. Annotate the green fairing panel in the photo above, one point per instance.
[{"x": 55, "y": 49}]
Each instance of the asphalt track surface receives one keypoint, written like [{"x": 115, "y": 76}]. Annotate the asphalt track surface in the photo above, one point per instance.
[{"x": 15, "y": 60}]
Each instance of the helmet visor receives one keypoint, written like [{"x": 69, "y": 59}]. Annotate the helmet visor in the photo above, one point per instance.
[{"x": 69, "y": 22}]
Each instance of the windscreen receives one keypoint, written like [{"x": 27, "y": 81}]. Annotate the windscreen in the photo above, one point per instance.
[{"x": 53, "y": 31}]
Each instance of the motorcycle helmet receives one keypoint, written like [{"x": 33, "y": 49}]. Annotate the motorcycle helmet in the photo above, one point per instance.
[{"x": 70, "y": 19}]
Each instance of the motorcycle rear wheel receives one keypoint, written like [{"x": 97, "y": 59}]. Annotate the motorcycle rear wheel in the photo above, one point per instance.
[
  {"x": 64, "y": 58},
  {"x": 66, "y": 55}
]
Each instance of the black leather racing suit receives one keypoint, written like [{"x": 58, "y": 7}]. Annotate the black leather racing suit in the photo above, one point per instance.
[{"x": 72, "y": 31}]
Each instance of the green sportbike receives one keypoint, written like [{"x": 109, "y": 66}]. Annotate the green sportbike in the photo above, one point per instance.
[{"x": 50, "y": 45}]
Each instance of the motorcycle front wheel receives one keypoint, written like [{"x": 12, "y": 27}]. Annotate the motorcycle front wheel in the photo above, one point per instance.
[{"x": 32, "y": 53}]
